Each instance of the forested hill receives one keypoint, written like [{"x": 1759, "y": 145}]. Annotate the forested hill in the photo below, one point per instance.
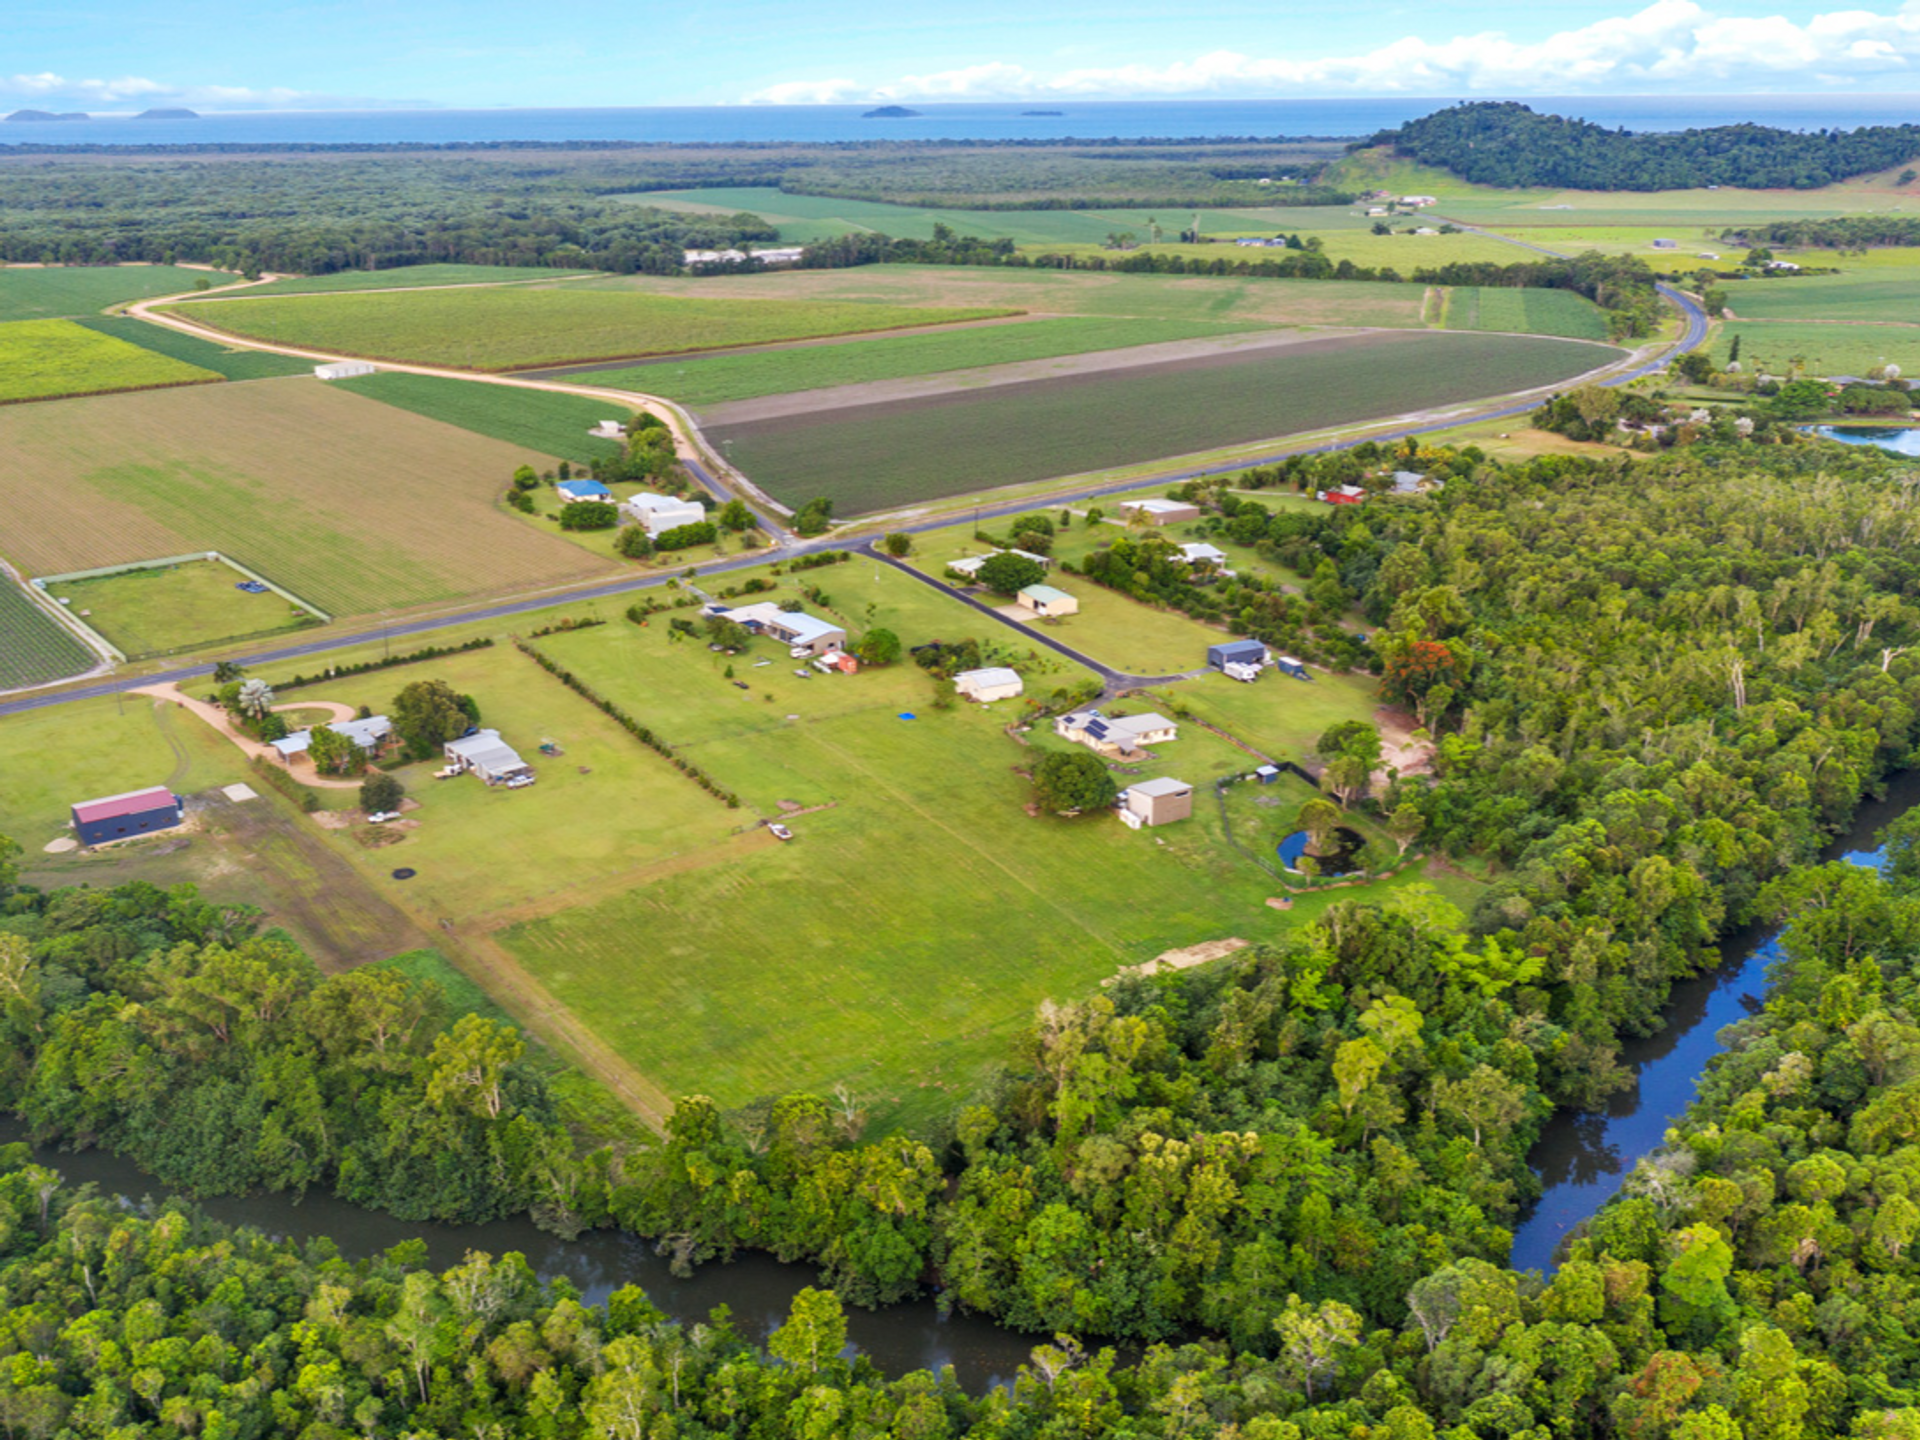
[{"x": 1508, "y": 144}]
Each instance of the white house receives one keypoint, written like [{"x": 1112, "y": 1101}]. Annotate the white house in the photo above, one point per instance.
[
  {"x": 661, "y": 513},
  {"x": 1418, "y": 201},
  {"x": 486, "y": 755},
  {"x": 1047, "y": 602},
  {"x": 609, "y": 430},
  {"x": 793, "y": 628},
  {"x": 370, "y": 734},
  {"x": 970, "y": 566},
  {"x": 1122, "y": 736},
  {"x": 344, "y": 369},
  {"x": 1200, "y": 553},
  {"x": 1162, "y": 511},
  {"x": 994, "y": 683}
]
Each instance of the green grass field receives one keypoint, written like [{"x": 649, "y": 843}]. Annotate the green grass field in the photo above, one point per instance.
[
  {"x": 408, "y": 277},
  {"x": 1398, "y": 251},
  {"x": 520, "y": 326},
  {"x": 353, "y": 505},
  {"x": 1771, "y": 346},
  {"x": 871, "y": 457},
  {"x": 720, "y": 378},
  {"x": 540, "y": 420},
  {"x": 1879, "y": 294},
  {"x": 1525, "y": 312},
  {"x": 1245, "y": 303},
  {"x": 42, "y": 359},
  {"x": 223, "y": 360},
  {"x": 175, "y": 607},
  {"x": 54, "y": 292},
  {"x": 34, "y": 649}
]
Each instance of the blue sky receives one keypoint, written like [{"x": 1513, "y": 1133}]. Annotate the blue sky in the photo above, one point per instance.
[{"x": 131, "y": 54}]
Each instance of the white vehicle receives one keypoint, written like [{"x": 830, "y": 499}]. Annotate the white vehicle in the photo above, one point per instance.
[
  {"x": 519, "y": 782},
  {"x": 1235, "y": 670},
  {"x": 799, "y": 652},
  {"x": 383, "y": 817},
  {"x": 780, "y": 832}
]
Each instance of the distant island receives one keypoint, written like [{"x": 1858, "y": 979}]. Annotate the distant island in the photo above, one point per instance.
[
  {"x": 1043, "y": 112},
  {"x": 32, "y": 115},
  {"x": 891, "y": 112},
  {"x": 167, "y": 115}
]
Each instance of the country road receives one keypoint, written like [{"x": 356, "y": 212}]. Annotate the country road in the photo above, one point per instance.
[{"x": 696, "y": 459}]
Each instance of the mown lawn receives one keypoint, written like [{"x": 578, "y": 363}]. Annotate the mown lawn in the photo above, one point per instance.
[
  {"x": 720, "y": 378},
  {"x": 34, "y": 649},
  {"x": 876, "y": 456},
  {"x": 43, "y": 359},
  {"x": 509, "y": 327},
  {"x": 542, "y": 420},
  {"x": 46, "y": 292},
  {"x": 158, "y": 611}
]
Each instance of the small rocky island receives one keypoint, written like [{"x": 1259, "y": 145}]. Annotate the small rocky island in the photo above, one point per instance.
[
  {"x": 891, "y": 112},
  {"x": 168, "y": 115},
  {"x": 33, "y": 115}
]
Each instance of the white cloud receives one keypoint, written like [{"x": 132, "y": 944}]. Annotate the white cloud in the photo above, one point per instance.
[
  {"x": 46, "y": 88},
  {"x": 1669, "y": 43}
]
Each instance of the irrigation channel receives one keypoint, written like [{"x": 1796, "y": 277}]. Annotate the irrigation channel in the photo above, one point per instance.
[{"x": 1582, "y": 1158}]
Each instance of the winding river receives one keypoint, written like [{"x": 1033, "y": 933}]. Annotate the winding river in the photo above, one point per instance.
[{"x": 1581, "y": 1159}]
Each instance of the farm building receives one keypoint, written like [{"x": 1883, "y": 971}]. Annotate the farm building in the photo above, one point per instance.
[
  {"x": 1048, "y": 602},
  {"x": 609, "y": 430},
  {"x": 1156, "y": 802},
  {"x": 1666, "y": 244},
  {"x": 344, "y": 369},
  {"x": 661, "y": 513},
  {"x": 1120, "y": 736},
  {"x": 794, "y": 628},
  {"x": 572, "y": 490},
  {"x": 372, "y": 735},
  {"x": 994, "y": 683},
  {"x": 1341, "y": 495},
  {"x": 1287, "y": 665},
  {"x": 775, "y": 255},
  {"x": 120, "y": 817},
  {"x": 486, "y": 755},
  {"x": 1199, "y": 553},
  {"x": 1161, "y": 512},
  {"x": 1236, "y": 652},
  {"x": 1409, "y": 482},
  {"x": 1418, "y": 201}
]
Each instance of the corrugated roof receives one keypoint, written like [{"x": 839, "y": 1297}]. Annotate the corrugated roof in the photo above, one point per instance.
[
  {"x": 1165, "y": 785},
  {"x": 133, "y": 802},
  {"x": 583, "y": 487},
  {"x": 487, "y": 751},
  {"x": 1044, "y": 592},
  {"x": 803, "y": 627},
  {"x": 1141, "y": 724},
  {"x": 992, "y": 675}
]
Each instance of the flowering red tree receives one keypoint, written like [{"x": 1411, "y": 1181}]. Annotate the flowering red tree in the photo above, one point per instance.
[{"x": 1426, "y": 676}]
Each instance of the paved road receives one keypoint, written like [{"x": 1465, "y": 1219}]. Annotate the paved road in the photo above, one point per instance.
[{"x": 788, "y": 548}]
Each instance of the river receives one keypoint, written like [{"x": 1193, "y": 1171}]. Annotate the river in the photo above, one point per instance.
[{"x": 1582, "y": 1157}]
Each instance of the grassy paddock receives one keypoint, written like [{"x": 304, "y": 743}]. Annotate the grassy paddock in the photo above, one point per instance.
[
  {"x": 50, "y": 292},
  {"x": 876, "y": 456},
  {"x": 170, "y": 608},
  {"x": 34, "y": 648},
  {"x": 221, "y": 359},
  {"x": 1879, "y": 293},
  {"x": 542, "y": 420},
  {"x": 513, "y": 327},
  {"x": 1525, "y": 312},
  {"x": 414, "y": 277},
  {"x": 47, "y": 359},
  {"x": 717, "y": 379},
  {"x": 1773, "y": 345},
  {"x": 350, "y": 504}
]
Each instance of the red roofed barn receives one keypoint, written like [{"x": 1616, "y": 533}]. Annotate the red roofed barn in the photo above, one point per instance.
[{"x": 117, "y": 817}]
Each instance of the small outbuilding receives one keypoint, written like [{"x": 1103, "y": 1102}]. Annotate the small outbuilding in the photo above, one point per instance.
[
  {"x": 609, "y": 430},
  {"x": 1156, "y": 802},
  {"x": 572, "y": 490},
  {"x": 985, "y": 686},
  {"x": 1287, "y": 665},
  {"x": 1236, "y": 652},
  {"x": 344, "y": 369},
  {"x": 1047, "y": 602},
  {"x": 1200, "y": 553},
  {"x": 1161, "y": 512},
  {"x": 486, "y": 755},
  {"x": 121, "y": 817}
]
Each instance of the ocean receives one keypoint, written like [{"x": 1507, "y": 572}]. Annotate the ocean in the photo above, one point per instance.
[{"x": 1001, "y": 121}]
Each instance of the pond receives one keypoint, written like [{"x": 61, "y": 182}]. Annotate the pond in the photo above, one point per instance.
[
  {"x": 1901, "y": 441},
  {"x": 1342, "y": 859}
]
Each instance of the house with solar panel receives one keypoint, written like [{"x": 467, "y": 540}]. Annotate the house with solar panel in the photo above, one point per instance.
[
  {"x": 1116, "y": 737},
  {"x": 121, "y": 817}
]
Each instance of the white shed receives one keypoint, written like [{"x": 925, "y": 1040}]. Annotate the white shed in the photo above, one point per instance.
[
  {"x": 993, "y": 683},
  {"x": 344, "y": 369}
]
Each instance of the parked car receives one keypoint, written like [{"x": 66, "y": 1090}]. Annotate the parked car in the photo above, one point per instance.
[
  {"x": 519, "y": 782},
  {"x": 383, "y": 817},
  {"x": 780, "y": 832}
]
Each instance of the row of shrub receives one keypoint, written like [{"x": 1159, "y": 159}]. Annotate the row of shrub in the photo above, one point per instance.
[
  {"x": 286, "y": 784},
  {"x": 432, "y": 652},
  {"x": 627, "y": 723},
  {"x": 563, "y": 625},
  {"x": 817, "y": 559}
]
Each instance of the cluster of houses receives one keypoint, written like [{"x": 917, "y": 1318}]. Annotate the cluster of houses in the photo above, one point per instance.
[
  {"x": 659, "y": 513},
  {"x": 775, "y": 255},
  {"x": 1405, "y": 482}
]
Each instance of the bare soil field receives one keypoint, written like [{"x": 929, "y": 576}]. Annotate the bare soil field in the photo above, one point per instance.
[{"x": 351, "y": 504}]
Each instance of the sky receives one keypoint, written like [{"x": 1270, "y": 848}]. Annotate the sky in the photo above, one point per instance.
[{"x": 121, "y": 55}]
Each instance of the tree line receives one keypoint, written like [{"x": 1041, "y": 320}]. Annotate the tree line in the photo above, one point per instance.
[{"x": 1505, "y": 143}]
